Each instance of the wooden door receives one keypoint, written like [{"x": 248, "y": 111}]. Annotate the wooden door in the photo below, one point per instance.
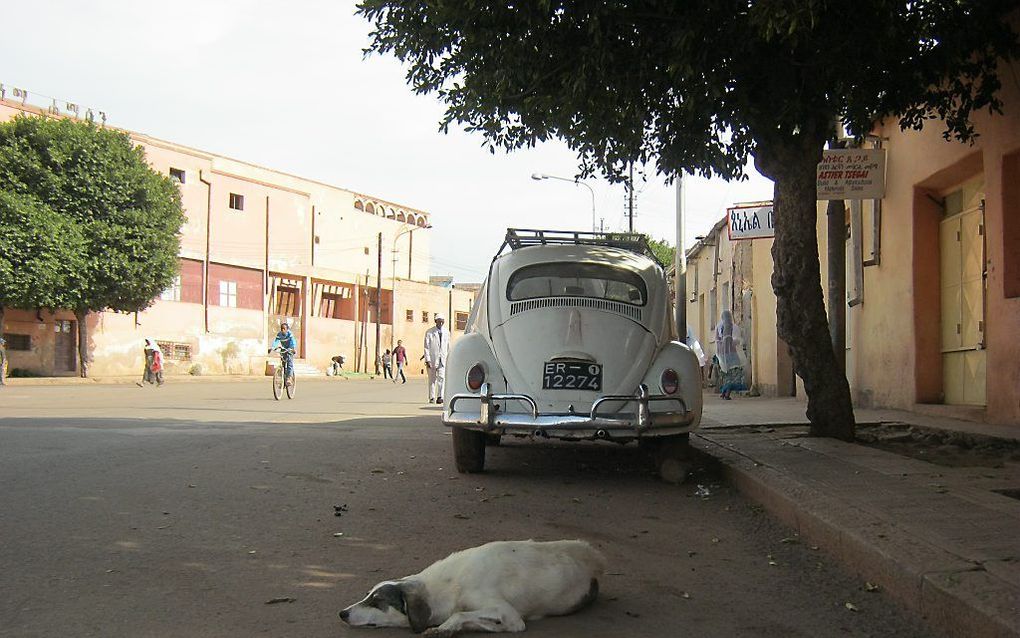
[
  {"x": 962, "y": 269},
  {"x": 65, "y": 358}
]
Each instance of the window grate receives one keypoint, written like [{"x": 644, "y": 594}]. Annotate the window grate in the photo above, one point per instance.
[
  {"x": 626, "y": 310},
  {"x": 18, "y": 342},
  {"x": 173, "y": 351}
]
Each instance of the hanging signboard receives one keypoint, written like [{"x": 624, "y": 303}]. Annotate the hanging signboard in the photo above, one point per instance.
[
  {"x": 852, "y": 173},
  {"x": 754, "y": 221}
]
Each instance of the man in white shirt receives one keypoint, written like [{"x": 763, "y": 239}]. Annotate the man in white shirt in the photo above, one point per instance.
[{"x": 437, "y": 348}]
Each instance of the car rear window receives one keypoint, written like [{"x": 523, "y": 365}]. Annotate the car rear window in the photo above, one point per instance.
[{"x": 571, "y": 279}]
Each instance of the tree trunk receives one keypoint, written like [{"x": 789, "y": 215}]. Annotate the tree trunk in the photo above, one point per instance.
[
  {"x": 83, "y": 342},
  {"x": 796, "y": 279}
]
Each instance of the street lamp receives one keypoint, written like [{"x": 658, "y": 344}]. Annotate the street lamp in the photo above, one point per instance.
[
  {"x": 406, "y": 230},
  {"x": 541, "y": 176}
]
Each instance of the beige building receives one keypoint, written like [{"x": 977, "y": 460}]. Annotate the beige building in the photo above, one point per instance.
[
  {"x": 259, "y": 246},
  {"x": 933, "y": 278}
]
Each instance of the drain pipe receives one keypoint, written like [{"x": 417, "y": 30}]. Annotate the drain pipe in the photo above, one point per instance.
[{"x": 205, "y": 264}]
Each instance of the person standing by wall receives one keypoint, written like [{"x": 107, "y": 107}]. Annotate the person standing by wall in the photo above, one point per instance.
[
  {"x": 728, "y": 345},
  {"x": 3, "y": 360},
  {"x": 437, "y": 347},
  {"x": 337, "y": 365},
  {"x": 400, "y": 354},
  {"x": 387, "y": 365}
]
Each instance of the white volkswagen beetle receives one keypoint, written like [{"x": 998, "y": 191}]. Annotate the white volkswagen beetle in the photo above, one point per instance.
[{"x": 572, "y": 337}]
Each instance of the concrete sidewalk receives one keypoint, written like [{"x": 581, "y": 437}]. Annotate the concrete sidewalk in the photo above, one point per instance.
[{"x": 944, "y": 541}]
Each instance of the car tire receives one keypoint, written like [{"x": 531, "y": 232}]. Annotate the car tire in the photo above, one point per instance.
[
  {"x": 469, "y": 450},
  {"x": 672, "y": 457}
]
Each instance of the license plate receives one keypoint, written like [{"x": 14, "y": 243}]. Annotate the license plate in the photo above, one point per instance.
[{"x": 571, "y": 375}]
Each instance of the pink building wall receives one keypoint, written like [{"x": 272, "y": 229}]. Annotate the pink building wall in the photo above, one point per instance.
[{"x": 290, "y": 228}]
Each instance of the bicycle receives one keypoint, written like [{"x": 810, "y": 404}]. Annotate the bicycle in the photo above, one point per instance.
[{"x": 279, "y": 382}]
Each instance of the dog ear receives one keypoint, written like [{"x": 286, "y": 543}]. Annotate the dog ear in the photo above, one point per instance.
[{"x": 416, "y": 606}]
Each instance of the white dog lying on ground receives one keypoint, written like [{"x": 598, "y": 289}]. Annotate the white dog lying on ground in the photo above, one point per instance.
[{"x": 494, "y": 587}]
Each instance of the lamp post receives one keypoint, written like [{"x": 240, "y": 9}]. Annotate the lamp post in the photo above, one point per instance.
[
  {"x": 542, "y": 176},
  {"x": 406, "y": 230}
]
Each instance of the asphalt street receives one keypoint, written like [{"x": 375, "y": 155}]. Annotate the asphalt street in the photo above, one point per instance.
[{"x": 208, "y": 509}]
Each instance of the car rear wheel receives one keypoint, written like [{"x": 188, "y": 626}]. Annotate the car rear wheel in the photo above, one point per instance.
[
  {"x": 672, "y": 456},
  {"x": 469, "y": 450}
]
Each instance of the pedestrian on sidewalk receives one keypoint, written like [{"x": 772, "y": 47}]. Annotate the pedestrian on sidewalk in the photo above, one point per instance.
[
  {"x": 437, "y": 348},
  {"x": 157, "y": 366},
  {"x": 149, "y": 350},
  {"x": 3, "y": 360},
  {"x": 400, "y": 354},
  {"x": 387, "y": 365},
  {"x": 729, "y": 354}
]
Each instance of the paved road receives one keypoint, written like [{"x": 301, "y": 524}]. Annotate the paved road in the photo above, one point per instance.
[{"x": 181, "y": 511}]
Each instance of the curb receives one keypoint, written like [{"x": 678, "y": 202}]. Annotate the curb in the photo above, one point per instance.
[
  {"x": 25, "y": 382},
  {"x": 954, "y": 597}
]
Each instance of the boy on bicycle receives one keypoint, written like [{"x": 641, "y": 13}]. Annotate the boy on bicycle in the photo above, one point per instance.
[{"x": 287, "y": 344}]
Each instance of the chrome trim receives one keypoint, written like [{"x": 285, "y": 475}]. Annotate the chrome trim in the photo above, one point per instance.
[
  {"x": 608, "y": 305},
  {"x": 626, "y": 424}
]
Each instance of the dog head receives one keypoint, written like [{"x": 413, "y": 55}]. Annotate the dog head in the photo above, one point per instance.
[{"x": 391, "y": 603}]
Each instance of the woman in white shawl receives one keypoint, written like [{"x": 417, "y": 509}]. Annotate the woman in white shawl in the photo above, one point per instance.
[{"x": 728, "y": 352}]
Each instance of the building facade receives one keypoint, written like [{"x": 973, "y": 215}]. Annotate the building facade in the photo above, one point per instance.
[
  {"x": 932, "y": 278},
  {"x": 259, "y": 247}
]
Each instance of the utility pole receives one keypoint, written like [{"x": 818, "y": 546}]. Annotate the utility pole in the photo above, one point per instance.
[
  {"x": 378, "y": 303},
  {"x": 680, "y": 264},
  {"x": 630, "y": 198},
  {"x": 835, "y": 213}
]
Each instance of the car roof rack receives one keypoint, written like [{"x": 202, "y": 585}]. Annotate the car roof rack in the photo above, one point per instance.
[{"x": 524, "y": 237}]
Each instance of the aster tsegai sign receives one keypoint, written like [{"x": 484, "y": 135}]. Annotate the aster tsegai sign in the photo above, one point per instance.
[{"x": 852, "y": 173}]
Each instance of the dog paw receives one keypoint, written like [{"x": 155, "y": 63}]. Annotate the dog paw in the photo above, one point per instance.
[{"x": 436, "y": 632}]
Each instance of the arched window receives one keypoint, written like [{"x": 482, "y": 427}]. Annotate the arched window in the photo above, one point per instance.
[
  {"x": 411, "y": 219},
  {"x": 421, "y": 221},
  {"x": 400, "y": 217},
  {"x": 359, "y": 205},
  {"x": 370, "y": 208}
]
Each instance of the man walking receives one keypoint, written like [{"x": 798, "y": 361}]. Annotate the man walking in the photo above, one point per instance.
[
  {"x": 437, "y": 347},
  {"x": 400, "y": 355}
]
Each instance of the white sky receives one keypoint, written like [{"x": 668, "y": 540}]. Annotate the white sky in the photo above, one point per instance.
[{"x": 284, "y": 84}]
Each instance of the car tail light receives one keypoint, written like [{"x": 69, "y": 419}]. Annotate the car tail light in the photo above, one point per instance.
[
  {"x": 475, "y": 377},
  {"x": 670, "y": 381}
]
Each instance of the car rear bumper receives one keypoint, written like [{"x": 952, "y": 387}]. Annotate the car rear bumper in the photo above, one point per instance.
[{"x": 640, "y": 421}]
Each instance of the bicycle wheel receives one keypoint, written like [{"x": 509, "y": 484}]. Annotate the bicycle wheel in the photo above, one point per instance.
[
  {"x": 278, "y": 382},
  {"x": 291, "y": 387}
]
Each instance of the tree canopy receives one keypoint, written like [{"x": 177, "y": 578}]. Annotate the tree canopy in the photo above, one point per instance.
[
  {"x": 41, "y": 254},
  {"x": 116, "y": 221},
  {"x": 664, "y": 251},
  {"x": 694, "y": 86},
  {"x": 704, "y": 86}
]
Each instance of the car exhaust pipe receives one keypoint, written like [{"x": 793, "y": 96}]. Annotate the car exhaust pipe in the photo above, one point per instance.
[
  {"x": 601, "y": 434},
  {"x": 540, "y": 433}
]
